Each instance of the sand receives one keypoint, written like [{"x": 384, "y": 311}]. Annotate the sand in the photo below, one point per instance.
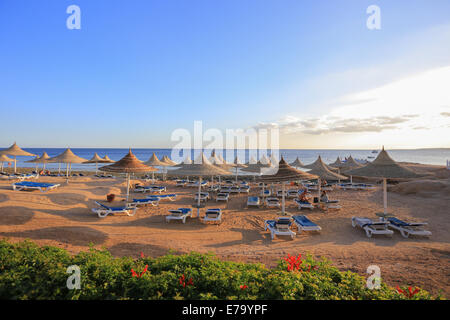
[{"x": 63, "y": 218}]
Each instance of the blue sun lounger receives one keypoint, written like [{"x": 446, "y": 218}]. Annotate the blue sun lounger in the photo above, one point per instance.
[
  {"x": 408, "y": 228},
  {"x": 104, "y": 210},
  {"x": 142, "y": 202},
  {"x": 171, "y": 196},
  {"x": 214, "y": 215},
  {"x": 29, "y": 185},
  {"x": 304, "y": 224},
  {"x": 280, "y": 227},
  {"x": 253, "y": 201},
  {"x": 179, "y": 214}
]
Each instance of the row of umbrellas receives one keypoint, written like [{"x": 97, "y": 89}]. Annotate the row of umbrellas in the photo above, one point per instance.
[{"x": 382, "y": 167}]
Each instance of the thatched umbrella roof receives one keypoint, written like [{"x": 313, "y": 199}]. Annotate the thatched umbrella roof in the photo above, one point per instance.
[
  {"x": 106, "y": 159},
  {"x": 297, "y": 163},
  {"x": 273, "y": 160},
  {"x": 169, "y": 161},
  {"x": 319, "y": 164},
  {"x": 5, "y": 158},
  {"x": 252, "y": 160},
  {"x": 337, "y": 164},
  {"x": 154, "y": 161},
  {"x": 350, "y": 164},
  {"x": 14, "y": 150},
  {"x": 128, "y": 164},
  {"x": 322, "y": 170},
  {"x": 383, "y": 167},
  {"x": 187, "y": 160},
  {"x": 67, "y": 157},
  {"x": 265, "y": 160},
  {"x": 44, "y": 158},
  {"x": 96, "y": 159},
  {"x": 285, "y": 172},
  {"x": 256, "y": 167},
  {"x": 200, "y": 168},
  {"x": 238, "y": 164}
]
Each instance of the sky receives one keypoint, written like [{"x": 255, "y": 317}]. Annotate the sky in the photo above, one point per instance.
[{"x": 138, "y": 70}]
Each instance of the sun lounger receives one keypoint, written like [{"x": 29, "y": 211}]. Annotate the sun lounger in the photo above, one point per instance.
[
  {"x": 213, "y": 188},
  {"x": 245, "y": 188},
  {"x": 204, "y": 196},
  {"x": 273, "y": 202},
  {"x": 253, "y": 202},
  {"x": 213, "y": 215},
  {"x": 235, "y": 189},
  {"x": 304, "y": 224},
  {"x": 179, "y": 214},
  {"x": 303, "y": 204},
  {"x": 372, "y": 227},
  {"x": 181, "y": 183},
  {"x": 170, "y": 196},
  {"x": 408, "y": 228},
  {"x": 267, "y": 193},
  {"x": 142, "y": 202},
  {"x": 104, "y": 210},
  {"x": 292, "y": 193},
  {"x": 28, "y": 185},
  {"x": 222, "y": 196},
  {"x": 332, "y": 204},
  {"x": 279, "y": 227}
]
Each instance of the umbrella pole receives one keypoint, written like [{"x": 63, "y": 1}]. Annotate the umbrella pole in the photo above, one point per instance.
[
  {"x": 236, "y": 175},
  {"x": 385, "y": 195},
  {"x": 67, "y": 170},
  {"x": 128, "y": 186},
  {"x": 351, "y": 179},
  {"x": 59, "y": 168},
  {"x": 2, "y": 165},
  {"x": 96, "y": 168},
  {"x": 199, "y": 191},
  {"x": 263, "y": 192},
  {"x": 15, "y": 163},
  {"x": 283, "y": 199},
  {"x": 318, "y": 188}
]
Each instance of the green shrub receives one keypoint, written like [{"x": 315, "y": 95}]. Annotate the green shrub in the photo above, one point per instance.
[{"x": 28, "y": 271}]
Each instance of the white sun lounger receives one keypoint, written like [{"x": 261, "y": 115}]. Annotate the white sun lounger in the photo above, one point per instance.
[
  {"x": 408, "y": 228},
  {"x": 28, "y": 185},
  {"x": 279, "y": 227},
  {"x": 304, "y": 224},
  {"x": 170, "y": 196},
  {"x": 204, "y": 196},
  {"x": 245, "y": 188},
  {"x": 222, "y": 196},
  {"x": 332, "y": 204},
  {"x": 303, "y": 205},
  {"x": 179, "y": 214},
  {"x": 253, "y": 202},
  {"x": 372, "y": 227},
  {"x": 273, "y": 202},
  {"x": 213, "y": 215},
  {"x": 142, "y": 202},
  {"x": 104, "y": 210}
]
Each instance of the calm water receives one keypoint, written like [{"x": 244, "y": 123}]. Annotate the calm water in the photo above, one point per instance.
[{"x": 425, "y": 156}]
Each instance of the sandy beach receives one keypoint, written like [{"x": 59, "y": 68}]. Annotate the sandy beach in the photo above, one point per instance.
[{"x": 63, "y": 217}]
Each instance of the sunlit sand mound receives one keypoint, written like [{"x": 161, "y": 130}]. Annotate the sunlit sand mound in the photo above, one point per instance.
[{"x": 423, "y": 188}]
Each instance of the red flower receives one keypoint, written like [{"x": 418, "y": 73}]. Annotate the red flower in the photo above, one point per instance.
[
  {"x": 243, "y": 287},
  {"x": 183, "y": 283},
  {"x": 142, "y": 255},
  {"x": 134, "y": 274},
  {"x": 408, "y": 294},
  {"x": 293, "y": 262}
]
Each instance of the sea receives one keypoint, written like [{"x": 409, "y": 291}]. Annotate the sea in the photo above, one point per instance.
[{"x": 424, "y": 156}]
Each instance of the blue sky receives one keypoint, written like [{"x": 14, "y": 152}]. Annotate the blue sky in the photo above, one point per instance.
[{"x": 137, "y": 70}]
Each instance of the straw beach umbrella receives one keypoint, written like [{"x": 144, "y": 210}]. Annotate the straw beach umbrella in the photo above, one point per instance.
[
  {"x": 44, "y": 158},
  {"x": 200, "y": 168},
  {"x": 67, "y": 157},
  {"x": 128, "y": 164},
  {"x": 350, "y": 164},
  {"x": 384, "y": 167},
  {"x": 297, "y": 163},
  {"x": 169, "y": 162},
  {"x": 154, "y": 161},
  {"x": 97, "y": 159},
  {"x": 337, "y": 164},
  {"x": 285, "y": 172},
  {"x": 15, "y": 151},
  {"x": 319, "y": 163},
  {"x": 323, "y": 172},
  {"x": 107, "y": 159},
  {"x": 5, "y": 158}
]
